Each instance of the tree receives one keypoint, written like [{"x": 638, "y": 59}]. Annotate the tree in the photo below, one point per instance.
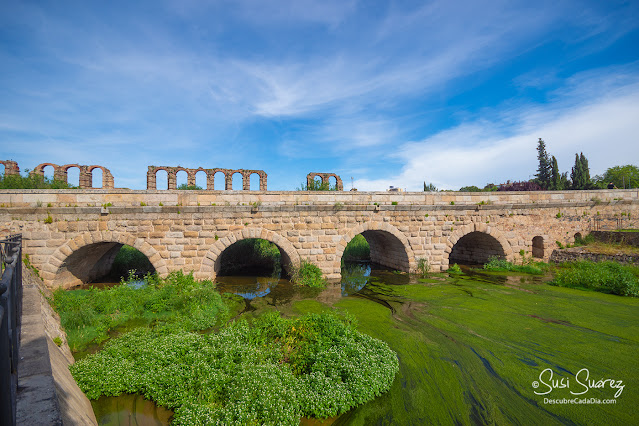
[
  {"x": 555, "y": 176},
  {"x": 544, "y": 168},
  {"x": 430, "y": 187},
  {"x": 471, "y": 188},
  {"x": 580, "y": 174},
  {"x": 621, "y": 176}
]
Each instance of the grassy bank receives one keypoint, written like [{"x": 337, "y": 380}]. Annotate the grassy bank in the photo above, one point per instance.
[
  {"x": 88, "y": 316},
  {"x": 357, "y": 249},
  {"x": 605, "y": 277}
]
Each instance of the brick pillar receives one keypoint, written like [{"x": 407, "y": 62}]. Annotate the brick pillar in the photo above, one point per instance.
[
  {"x": 228, "y": 181},
  {"x": 246, "y": 181},
  {"x": 151, "y": 182},
  {"x": 339, "y": 186},
  {"x": 60, "y": 174},
  {"x": 263, "y": 181},
  {"x": 86, "y": 178},
  {"x": 107, "y": 179},
  {"x": 190, "y": 179},
  {"x": 172, "y": 177},
  {"x": 210, "y": 180}
]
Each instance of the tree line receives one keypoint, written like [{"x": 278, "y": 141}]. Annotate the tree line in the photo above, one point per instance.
[{"x": 549, "y": 178}]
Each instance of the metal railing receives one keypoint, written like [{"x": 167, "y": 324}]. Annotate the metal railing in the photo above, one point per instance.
[{"x": 10, "y": 307}]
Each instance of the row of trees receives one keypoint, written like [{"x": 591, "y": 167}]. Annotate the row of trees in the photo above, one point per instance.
[{"x": 549, "y": 178}]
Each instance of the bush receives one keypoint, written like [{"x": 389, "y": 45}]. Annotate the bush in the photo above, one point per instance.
[
  {"x": 272, "y": 372},
  {"x": 251, "y": 255},
  {"x": 185, "y": 187},
  {"x": 130, "y": 259},
  {"x": 455, "y": 269},
  {"x": 502, "y": 265},
  {"x": 308, "y": 275},
  {"x": 89, "y": 315},
  {"x": 606, "y": 277},
  {"x": 520, "y": 186},
  {"x": 31, "y": 182}
]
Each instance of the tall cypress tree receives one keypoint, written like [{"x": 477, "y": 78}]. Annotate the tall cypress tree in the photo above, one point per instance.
[
  {"x": 577, "y": 174},
  {"x": 544, "y": 169},
  {"x": 587, "y": 183},
  {"x": 555, "y": 177}
]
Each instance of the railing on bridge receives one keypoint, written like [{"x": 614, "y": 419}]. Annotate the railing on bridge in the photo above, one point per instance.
[
  {"x": 10, "y": 306},
  {"x": 613, "y": 223}
]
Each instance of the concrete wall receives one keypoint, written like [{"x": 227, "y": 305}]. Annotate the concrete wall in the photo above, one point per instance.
[{"x": 190, "y": 229}]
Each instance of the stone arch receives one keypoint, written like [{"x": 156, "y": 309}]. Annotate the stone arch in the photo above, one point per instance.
[
  {"x": 210, "y": 262},
  {"x": 389, "y": 246},
  {"x": 339, "y": 186},
  {"x": 538, "y": 246},
  {"x": 206, "y": 177},
  {"x": 493, "y": 241},
  {"x": 107, "y": 177},
  {"x": 57, "y": 273},
  {"x": 64, "y": 172},
  {"x": 58, "y": 173}
]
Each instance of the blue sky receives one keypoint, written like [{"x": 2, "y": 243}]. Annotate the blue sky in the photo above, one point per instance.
[{"x": 389, "y": 93}]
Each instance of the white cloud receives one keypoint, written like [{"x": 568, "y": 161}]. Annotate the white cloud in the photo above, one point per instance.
[{"x": 604, "y": 128}]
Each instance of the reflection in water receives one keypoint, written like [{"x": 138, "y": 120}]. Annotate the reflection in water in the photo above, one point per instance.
[
  {"x": 470, "y": 345},
  {"x": 130, "y": 410}
]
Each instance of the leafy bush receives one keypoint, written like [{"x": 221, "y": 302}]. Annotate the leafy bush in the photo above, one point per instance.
[
  {"x": 185, "y": 187},
  {"x": 584, "y": 241},
  {"x": 606, "y": 277},
  {"x": 422, "y": 266},
  {"x": 357, "y": 249},
  {"x": 455, "y": 269},
  {"x": 497, "y": 264},
  {"x": 129, "y": 259},
  {"x": 308, "y": 275},
  {"x": 31, "y": 182},
  {"x": 88, "y": 315},
  {"x": 272, "y": 372}
]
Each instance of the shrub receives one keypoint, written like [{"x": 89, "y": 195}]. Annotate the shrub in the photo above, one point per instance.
[
  {"x": 502, "y": 265},
  {"x": 455, "y": 269},
  {"x": 308, "y": 275},
  {"x": 422, "y": 266},
  {"x": 272, "y": 372},
  {"x": 88, "y": 315},
  {"x": 606, "y": 277},
  {"x": 185, "y": 187}
]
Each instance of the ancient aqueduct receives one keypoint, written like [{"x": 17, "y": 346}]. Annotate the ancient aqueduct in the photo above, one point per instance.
[{"x": 72, "y": 235}]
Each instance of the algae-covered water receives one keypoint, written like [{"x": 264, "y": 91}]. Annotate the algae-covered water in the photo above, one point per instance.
[{"x": 473, "y": 348}]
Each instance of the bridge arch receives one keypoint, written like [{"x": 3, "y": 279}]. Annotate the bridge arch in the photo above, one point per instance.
[
  {"x": 475, "y": 243},
  {"x": 211, "y": 262},
  {"x": 78, "y": 260},
  {"x": 388, "y": 245}
]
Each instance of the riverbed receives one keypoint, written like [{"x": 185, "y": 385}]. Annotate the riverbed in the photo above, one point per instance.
[{"x": 474, "y": 348}]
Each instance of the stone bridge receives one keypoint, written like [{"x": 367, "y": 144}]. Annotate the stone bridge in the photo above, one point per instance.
[{"x": 72, "y": 236}]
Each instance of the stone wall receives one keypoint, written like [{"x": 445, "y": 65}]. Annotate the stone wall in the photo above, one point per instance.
[
  {"x": 630, "y": 238},
  {"x": 190, "y": 229},
  {"x": 151, "y": 177},
  {"x": 577, "y": 253}
]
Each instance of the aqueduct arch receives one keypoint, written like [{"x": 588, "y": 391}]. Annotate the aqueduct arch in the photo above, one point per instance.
[
  {"x": 86, "y": 174},
  {"x": 211, "y": 262},
  {"x": 476, "y": 243},
  {"x": 151, "y": 177},
  {"x": 339, "y": 186},
  {"x": 388, "y": 246},
  {"x": 90, "y": 255}
]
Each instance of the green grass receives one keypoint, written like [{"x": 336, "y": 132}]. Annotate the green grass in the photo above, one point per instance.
[
  {"x": 271, "y": 372},
  {"x": 605, "y": 277},
  {"x": 357, "y": 249},
  {"x": 88, "y": 316},
  {"x": 502, "y": 265}
]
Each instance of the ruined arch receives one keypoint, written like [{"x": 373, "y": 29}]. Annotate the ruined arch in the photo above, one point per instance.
[
  {"x": 10, "y": 167},
  {"x": 107, "y": 177},
  {"x": 475, "y": 243},
  {"x": 339, "y": 186},
  {"x": 389, "y": 246},
  {"x": 78, "y": 260},
  {"x": 211, "y": 262}
]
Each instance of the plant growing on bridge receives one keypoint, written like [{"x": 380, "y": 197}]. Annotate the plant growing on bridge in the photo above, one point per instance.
[{"x": 271, "y": 372}]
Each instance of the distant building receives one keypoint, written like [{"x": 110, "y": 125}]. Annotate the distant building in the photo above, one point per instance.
[{"x": 393, "y": 189}]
